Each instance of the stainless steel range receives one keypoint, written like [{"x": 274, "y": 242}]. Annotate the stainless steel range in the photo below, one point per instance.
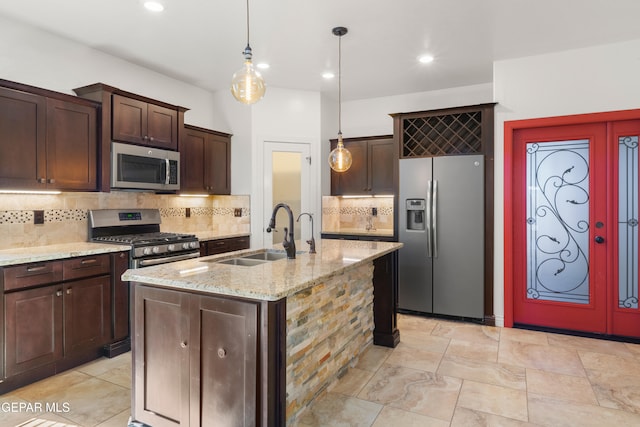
[{"x": 140, "y": 228}]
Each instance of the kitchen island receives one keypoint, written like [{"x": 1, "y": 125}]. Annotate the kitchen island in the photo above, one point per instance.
[{"x": 226, "y": 344}]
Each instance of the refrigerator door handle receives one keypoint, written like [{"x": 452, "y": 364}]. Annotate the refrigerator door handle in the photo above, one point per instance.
[
  {"x": 434, "y": 218},
  {"x": 428, "y": 218}
]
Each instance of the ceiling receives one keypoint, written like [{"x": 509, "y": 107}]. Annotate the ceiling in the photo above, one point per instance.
[{"x": 201, "y": 41}]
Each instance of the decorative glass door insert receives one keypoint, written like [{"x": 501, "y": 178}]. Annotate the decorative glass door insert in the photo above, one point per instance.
[{"x": 557, "y": 219}]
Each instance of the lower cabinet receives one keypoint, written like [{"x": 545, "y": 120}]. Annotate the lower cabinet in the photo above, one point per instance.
[
  {"x": 57, "y": 315},
  {"x": 44, "y": 325},
  {"x": 203, "y": 360}
]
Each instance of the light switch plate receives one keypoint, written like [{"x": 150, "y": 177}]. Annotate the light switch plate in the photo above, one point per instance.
[
  {"x": 38, "y": 217},
  {"x": 237, "y": 212}
]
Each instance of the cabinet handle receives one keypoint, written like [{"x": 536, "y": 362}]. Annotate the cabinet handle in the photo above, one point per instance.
[
  {"x": 88, "y": 261},
  {"x": 58, "y": 293},
  {"x": 145, "y": 137},
  {"x": 151, "y": 138},
  {"x": 69, "y": 291},
  {"x": 222, "y": 353},
  {"x": 122, "y": 255},
  {"x": 42, "y": 180},
  {"x": 51, "y": 181},
  {"x": 36, "y": 268},
  {"x": 183, "y": 344}
]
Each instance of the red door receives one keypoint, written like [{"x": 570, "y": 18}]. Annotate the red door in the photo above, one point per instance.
[{"x": 571, "y": 234}]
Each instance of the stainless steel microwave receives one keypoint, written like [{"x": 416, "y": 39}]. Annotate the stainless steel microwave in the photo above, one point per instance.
[{"x": 136, "y": 167}]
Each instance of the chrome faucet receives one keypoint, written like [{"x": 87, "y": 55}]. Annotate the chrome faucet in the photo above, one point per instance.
[
  {"x": 312, "y": 241},
  {"x": 288, "y": 242}
]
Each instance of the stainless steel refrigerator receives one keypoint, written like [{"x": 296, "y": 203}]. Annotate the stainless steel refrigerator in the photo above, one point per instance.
[{"x": 441, "y": 223}]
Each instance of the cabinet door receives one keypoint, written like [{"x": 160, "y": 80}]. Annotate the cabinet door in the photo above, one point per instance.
[
  {"x": 71, "y": 146},
  {"x": 129, "y": 118},
  {"x": 192, "y": 164},
  {"x": 86, "y": 312},
  {"x": 33, "y": 322},
  {"x": 217, "y": 168},
  {"x": 381, "y": 161},
  {"x": 161, "y": 357},
  {"x": 224, "y": 358},
  {"x": 162, "y": 127},
  {"x": 22, "y": 139},
  {"x": 354, "y": 180}
]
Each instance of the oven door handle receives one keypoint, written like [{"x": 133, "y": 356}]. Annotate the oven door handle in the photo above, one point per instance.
[
  {"x": 164, "y": 260},
  {"x": 167, "y": 172}
]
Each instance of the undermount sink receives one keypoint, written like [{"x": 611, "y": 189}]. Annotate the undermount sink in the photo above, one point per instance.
[
  {"x": 245, "y": 262},
  {"x": 266, "y": 256},
  {"x": 258, "y": 258}
]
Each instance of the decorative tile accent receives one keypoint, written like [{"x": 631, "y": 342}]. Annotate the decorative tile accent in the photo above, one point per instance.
[
  {"x": 60, "y": 215},
  {"x": 16, "y": 217}
]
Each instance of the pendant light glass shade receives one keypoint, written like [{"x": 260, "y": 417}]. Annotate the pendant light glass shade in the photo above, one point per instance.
[
  {"x": 247, "y": 84},
  {"x": 340, "y": 157}
]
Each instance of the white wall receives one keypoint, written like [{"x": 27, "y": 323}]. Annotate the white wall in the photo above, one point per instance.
[
  {"x": 283, "y": 115},
  {"x": 596, "y": 79},
  {"x": 29, "y": 55}
]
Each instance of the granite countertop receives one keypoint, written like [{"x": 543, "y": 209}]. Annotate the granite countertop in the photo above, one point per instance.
[
  {"x": 361, "y": 232},
  {"x": 54, "y": 252},
  {"x": 268, "y": 281},
  {"x": 204, "y": 236}
]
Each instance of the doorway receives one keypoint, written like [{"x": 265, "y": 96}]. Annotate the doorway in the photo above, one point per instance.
[
  {"x": 571, "y": 223},
  {"x": 286, "y": 180}
]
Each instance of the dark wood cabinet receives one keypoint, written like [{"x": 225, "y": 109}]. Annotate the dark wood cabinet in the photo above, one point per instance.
[
  {"x": 219, "y": 246},
  {"x": 197, "y": 361},
  {"x": 47, "y": 140},
  {"x": 205, "y": 161},
  {"x": 144, "y": 123},
  {"x": 56, "y": 316},
  {"x": 33, "y": 324},
  {"x": 131, "y": 118},
  {"x": 373, "y": 169}
]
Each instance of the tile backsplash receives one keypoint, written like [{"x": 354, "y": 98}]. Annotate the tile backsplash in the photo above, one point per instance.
[
  {"x": 341, "y": 213},
  {"x": 66, "y": 215}
]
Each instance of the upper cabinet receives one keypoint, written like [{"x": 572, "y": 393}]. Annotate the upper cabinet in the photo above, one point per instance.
[
  {"x": 144, "y": 123},
  {"x": 373, "y": 169},
  {"x": 48, "y": 140},
  {"x": 205, "y": 157},
  {"x": 134, "y": 119}
]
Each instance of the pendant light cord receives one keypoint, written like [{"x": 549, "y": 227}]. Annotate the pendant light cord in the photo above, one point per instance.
[
  {"x": 247, "y": 22},
  {"x": 340, "y": 85}
]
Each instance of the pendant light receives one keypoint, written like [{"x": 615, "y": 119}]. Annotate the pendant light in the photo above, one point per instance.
[
  {"x": 247, "y": 85},
  {"x": 340, "y": 157}
]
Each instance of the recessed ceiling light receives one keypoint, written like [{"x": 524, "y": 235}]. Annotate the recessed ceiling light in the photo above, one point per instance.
[
  {"x": 154, "y": 6},
  {"x": 328, "y": 75},
  {"x": 425, "y": 59},
  {"x": 263, "y": 65}
]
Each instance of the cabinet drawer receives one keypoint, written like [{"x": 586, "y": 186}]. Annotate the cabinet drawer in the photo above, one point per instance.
[
  {"x": 27, "y": 275},
  {"x": 75, "y": 268}
]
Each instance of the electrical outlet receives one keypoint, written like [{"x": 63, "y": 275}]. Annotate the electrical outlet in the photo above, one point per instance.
[
  {"x": 187, "y": 212},
  {"x": 38, "y": 217},
  {"x": 374, "y": 211},
  {"x": 237, "y": 212}
]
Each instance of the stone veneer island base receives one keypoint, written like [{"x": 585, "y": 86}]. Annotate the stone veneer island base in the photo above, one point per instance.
[{"x": 218, "y": 344}]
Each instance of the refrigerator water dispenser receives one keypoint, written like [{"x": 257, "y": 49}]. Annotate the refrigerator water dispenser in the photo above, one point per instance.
[{"x": 415, "y": 214}]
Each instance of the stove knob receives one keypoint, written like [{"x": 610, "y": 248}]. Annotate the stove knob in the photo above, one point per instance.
[
  {"x": 185, "y": 246},
  {"x": 155, "y": 250},
  {"x": 146, "y": 251},
  {"x": 193, "y": 245},
  {"x": 171, "y": 248}
]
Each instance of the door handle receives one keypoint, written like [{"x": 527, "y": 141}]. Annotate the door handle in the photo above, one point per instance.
[{"x": 599, "y": 239}]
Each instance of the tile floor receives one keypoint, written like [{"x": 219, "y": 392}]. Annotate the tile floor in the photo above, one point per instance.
[{"x": 443, "y": 373}]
